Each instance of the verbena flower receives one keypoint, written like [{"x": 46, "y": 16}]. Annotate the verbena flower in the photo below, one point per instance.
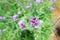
[
  {"x": 39, "y": 23},
  {"x": 21, "y": 24},
  {"x": 38, "y": 1},
  {"x": 35, "y": 21},
  {"x": 52, "y": 8},
  {"x": 2, "y": 17},
  {"x": 28, "y": 6},
  {"x": 15, "y": 17}
]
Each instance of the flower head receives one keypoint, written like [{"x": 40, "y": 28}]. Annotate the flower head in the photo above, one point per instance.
[
  {"x": 21, "y": 24},
  {"x": 2, "y": 17},
  {"x": 38, "y": 1},
  {"x": 19, "y": 12},
  {"x": 51, "y": 8},
  {"x": 34, "y": 21},
  {"x": 28, "y": 6},
  {"x": 14, "y": 17}
]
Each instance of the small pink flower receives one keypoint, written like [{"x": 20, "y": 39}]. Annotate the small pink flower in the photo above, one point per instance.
[
  {"x": 34, "y": 21},
  {"x": 51, "y": 8},
  {"x": 19, "y": 12},
  {"x": 14, "y": 17},
  {"x": 28, "y": 6},
  {"x": 38, "y": 1},
  {"x": 21, "y": 24},
  {"x": 2, "y": 17}
]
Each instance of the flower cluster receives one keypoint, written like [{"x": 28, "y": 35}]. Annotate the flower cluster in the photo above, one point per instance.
[
  {"x": 35, "y": 21},
  {"x": 26, "y": 17},
  {"x": 2, "y": 17}
]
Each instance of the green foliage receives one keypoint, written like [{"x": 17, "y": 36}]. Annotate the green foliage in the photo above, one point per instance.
[{"x": 13, "y": 32}]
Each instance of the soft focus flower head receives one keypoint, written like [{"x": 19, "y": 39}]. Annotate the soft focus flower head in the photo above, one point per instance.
[
  {"x": 15, "y": 17},
  {"x": 19, "y": 12},
  {"x": 52, "y": 8},
  {"x": 38, "y": 1},
  {"x": 20, "y": 21},
  {"x": 34, "y": 21},
  {"x": 21, "y": 24},
  {"x": 2, "y": 17},
  {"x": 28, "y": 6}
]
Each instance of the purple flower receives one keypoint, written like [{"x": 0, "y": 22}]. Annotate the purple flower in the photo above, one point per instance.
[
  {"x": 2, "y": 17},
  {"x": 51, "y": 8},
  {"x": 14, "y": 17},
  {"x": 34, "y": 21},
  {"x": 28, "y": 6},
  {"x": 3, "y": 30},
  {"x": 21, "y": 24},
  {"x": 35, "y": 24},
  {"x": 38, "y": 1},
  {"x": 53, "y": 0}
]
